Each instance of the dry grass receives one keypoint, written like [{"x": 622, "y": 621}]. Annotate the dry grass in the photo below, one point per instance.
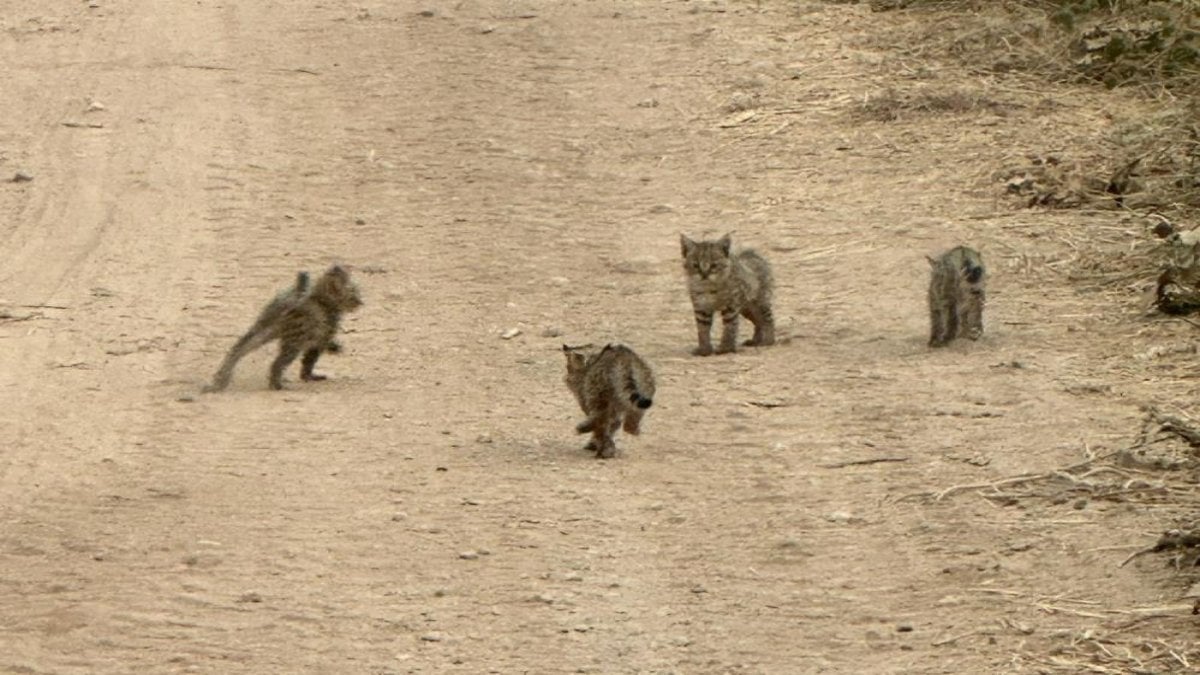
[
  {"x": 1156, "y": 467},
  {"x": 892, "y": 104},
  {"x": 1152, "y": 47}
]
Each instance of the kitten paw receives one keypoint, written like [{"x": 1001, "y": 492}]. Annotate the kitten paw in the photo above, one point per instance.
[
  {"x": 701, "y": 351},
  {"x": 313, "y": 377}
]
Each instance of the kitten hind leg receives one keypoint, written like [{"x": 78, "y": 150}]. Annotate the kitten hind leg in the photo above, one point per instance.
[
  {"x": 246, "y": 344},
  {"x": 972, "y": 320},
  {"x": 606, "y": 447},
  {"x": 287, "y": 354},
  {"x": 601, "y": 434},
  {"x": 633, "y": 421},
  {"x": 764, "y": 325},
  {"x": 939, "y": 333}
]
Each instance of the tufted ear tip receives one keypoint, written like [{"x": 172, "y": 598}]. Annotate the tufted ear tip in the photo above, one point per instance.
[
  {"x": 726, "y": 243},
  {"x": 685, "y": 244}
]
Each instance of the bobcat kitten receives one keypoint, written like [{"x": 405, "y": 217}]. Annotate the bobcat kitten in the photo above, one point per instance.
[
  {"x": 956, "y": 294},
  {"x": 614, "y": 387},
  {"x": 304, "y": 320},
  {"x": 732, "y": 284}
]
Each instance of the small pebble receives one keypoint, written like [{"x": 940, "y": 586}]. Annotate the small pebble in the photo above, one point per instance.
[
  {"x": 483, "y": 438},
  {"x": 95, "y": 106},
  {"x": 433, "y": 637},
  {"x": 22, "y": 177},
  {"x": 469, "y": 555},
  {"x": 551, "y": 331},
  {"x": 510, "y": 333},
  {"x": 250, "y": 597},
  {"x": 839, "y": 517},
  {"x": 904, "y": 628}
]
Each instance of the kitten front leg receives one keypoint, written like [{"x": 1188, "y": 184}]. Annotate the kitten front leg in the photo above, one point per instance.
[
  {"x": 307, "y": 363},
  {"x": 729, "y": 328},
  {"x": 703, "y": 333}
]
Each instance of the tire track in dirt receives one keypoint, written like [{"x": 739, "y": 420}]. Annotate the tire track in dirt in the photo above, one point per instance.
[{"x": 514, "y": 166}]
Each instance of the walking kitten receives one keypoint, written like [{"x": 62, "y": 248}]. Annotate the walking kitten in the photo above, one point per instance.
[
  {"x": 734, "y": 284},
  {"x": 956, "y": 294},
  {"x": 303, "y": 319},
  {"x": 614, "y": 387}
]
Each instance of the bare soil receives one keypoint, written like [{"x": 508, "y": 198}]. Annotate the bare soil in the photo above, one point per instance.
[{"x": 503, "y": 164}]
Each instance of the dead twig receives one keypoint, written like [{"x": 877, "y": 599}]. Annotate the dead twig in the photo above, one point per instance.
[
  {"x": 1171, "y": 539},
  {"x": 14, "y": 318},
  {"x": 863, "y": 462},
  {"x": 202, "y": 66},
  {"x": 1023, "y": 478}
]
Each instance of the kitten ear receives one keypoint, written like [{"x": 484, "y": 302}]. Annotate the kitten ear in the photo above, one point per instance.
[
  {"x": 686, "y": 245},
  {"x": 726, "y": 243}
]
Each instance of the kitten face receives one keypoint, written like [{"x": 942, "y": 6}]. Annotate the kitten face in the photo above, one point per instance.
[
  {"x": 351, "y": 299},
  {"x": 341, "y": 289},
  {"x": 706, "y": 260}
]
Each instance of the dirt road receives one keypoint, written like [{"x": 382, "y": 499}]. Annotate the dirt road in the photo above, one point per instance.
[{"x": 494, "y": 165}]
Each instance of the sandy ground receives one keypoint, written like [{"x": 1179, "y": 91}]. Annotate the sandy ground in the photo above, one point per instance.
[{"x": 492, "y": 165}]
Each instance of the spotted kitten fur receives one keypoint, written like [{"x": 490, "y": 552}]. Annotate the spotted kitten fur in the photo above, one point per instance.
[
  {"x": 956, "y": 293},
  {"x": 614, "y": 387},
  {"x": 734, "y": 284},
  {"x": 304, "y": 320}
]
